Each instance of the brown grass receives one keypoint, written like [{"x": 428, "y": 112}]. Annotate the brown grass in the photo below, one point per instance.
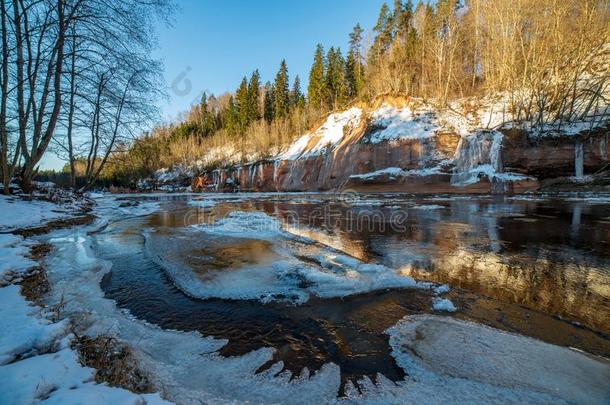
[
  {"x": 114, "y": 362},
  {"x": 35, "y": 284},
  {"x": 58, "y": 224}
]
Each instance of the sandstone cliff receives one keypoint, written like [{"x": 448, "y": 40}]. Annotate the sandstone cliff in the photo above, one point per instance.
[{"x": 408, "y": 146}]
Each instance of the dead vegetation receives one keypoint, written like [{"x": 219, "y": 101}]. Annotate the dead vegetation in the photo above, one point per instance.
[
  {"x": 35, "y": 284},
  {"x": 57, "y": 224},
  {"x": 114, "y": 362}
]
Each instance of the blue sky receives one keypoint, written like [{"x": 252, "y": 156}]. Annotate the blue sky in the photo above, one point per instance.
[{"x": 212, "y": 44}]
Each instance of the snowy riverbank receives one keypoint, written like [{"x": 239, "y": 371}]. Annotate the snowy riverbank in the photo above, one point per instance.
[
  {"x": 445, "y": 359},
  {"x": 37, "y": 363}
]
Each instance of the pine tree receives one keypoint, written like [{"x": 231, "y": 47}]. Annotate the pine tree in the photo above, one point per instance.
[
  {"x": 355, "y": 39},
  {"x": 253, "y": 104},
  {"x": 354, "y": 66},
  {"x": 297, "y": 100},
  {"x": 242, "y": 106},
  {"x": 335, "y": 78},
  {"x": 281, "y": 93},
  {"x": 383, "y": 39},
  {"x": 231, "y": 120},
  {"x": 403, "y": 21},
  {"x": 316, "y": 89},
  {"x": 269, "y": 103},
  {"x": 206, "y": 117},
  {"x": 350, "y": 74}
]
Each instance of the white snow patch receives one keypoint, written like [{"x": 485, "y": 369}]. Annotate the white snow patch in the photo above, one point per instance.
[
  {"x": 24, "y": 331},
  {"x": 327, "y": 136},
  {"x": 17, "y": 213},
  {"x": 441, "y": 289},
  {"x": 402, "y": 123},
  {"x": 58, "y": 378},
  {"x": 443, "y": 304},
  {"x": 12, "y": 252}
]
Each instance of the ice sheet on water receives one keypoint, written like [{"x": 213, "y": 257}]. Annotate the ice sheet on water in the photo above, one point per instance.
[
  {"x": 461, "y": 361},
  {"x": 450, "y": 369},
  {"x": 202, "y": 203},
  {"x": 286, "y": 275},
  {"x": 245, "y": 224}
]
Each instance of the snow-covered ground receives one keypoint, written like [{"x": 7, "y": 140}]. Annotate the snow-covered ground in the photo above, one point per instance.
[
  {"x": 36, "y": 361},
  {"x": 328, "y": 136},
  {"x": 446, "y": 360},
  {"x": 17, "y": 213}
]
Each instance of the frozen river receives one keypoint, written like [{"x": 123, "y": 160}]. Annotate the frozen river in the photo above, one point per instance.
[{"x": 320, "y": 278}]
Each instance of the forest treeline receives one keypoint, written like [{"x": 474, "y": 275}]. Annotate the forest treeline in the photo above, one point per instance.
[{"x": 548, "y": 58}]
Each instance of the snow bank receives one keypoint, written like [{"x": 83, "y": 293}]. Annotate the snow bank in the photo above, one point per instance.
[
  {"x": 17, "y": 213},
  {"x": 24, "y": 331},
  {"x": 457, "y": 361},
  {"x": 13, "y": 264},
  {"x": 58, "y": 378},
  {"x": 36, "y": 362}
]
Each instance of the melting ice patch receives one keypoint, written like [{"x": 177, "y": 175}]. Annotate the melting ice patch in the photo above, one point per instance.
[{"x": 292, "y": 270}]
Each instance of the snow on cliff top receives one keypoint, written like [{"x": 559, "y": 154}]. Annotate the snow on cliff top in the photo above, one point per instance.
[
  {"x": 391, "y": 123},
  {"x": 328, "y": 135}
]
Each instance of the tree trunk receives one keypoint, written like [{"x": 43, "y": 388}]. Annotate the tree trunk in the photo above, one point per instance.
[
  {"x": 40, "y": 141},
  {"x": 6, "y": 172}
]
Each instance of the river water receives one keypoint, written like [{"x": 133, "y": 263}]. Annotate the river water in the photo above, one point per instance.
[{"x": 320, "y": 277}]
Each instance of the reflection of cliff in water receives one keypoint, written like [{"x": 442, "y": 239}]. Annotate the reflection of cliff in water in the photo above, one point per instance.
[{"x": 550, "y": 256}]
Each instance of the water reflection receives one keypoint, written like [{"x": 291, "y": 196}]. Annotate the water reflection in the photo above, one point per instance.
[
  {"x": 549, "y": 255},
  {"x": 552, "y": 256},
  {"x": 516, "y": 265}
]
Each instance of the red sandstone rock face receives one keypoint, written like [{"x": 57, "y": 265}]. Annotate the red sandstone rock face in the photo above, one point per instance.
[
  {"x": 554, "y": 156},
  {"x": 541, "y": 158}
]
